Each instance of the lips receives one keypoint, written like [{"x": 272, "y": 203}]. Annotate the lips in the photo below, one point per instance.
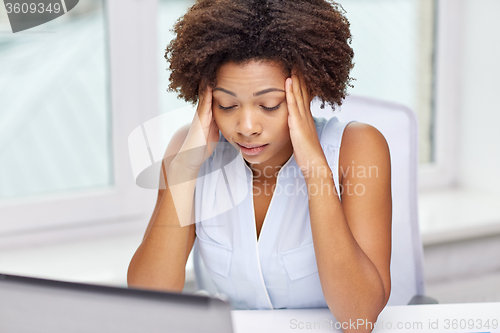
[{"x": 249, "y": 146}]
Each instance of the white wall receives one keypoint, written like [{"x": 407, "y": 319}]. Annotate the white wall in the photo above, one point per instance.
[{"x": 479, "y": 132}]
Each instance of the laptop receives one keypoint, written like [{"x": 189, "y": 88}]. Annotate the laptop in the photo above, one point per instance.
[{"x": 32, "y": 305}]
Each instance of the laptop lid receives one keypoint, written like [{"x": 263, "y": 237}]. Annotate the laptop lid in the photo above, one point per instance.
[{"x": 38, "y": 305}]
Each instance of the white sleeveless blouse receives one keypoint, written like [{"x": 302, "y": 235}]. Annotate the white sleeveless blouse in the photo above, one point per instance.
[{"x": 279, "y": 269}]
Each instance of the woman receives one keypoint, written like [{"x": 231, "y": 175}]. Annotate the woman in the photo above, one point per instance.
[{"x": 271, "y": 237}]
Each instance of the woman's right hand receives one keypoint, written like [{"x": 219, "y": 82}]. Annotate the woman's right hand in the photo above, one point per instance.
[{"x": 203, "y": 134}]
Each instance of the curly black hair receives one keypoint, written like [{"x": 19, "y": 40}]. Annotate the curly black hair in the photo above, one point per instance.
[{"x": 310, "y": 36}]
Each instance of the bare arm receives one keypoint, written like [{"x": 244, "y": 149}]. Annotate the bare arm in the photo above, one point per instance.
[
  {"x": 352, "y": 238},
  {"x": 159, "y": 262}
]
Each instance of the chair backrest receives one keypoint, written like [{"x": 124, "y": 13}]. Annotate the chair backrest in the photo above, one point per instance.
[{"x": 399, "y": 125}]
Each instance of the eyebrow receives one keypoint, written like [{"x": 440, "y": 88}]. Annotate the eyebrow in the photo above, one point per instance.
[{"x": 262, "y": 92}]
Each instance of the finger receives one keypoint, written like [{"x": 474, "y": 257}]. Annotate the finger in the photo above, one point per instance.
[
  {"x": 307, "y": 99},
  {"x": 207, "y": 104},
  {"x": 208, "y": 96},
  {"x": 206, "y": 101},
  {"x": 203, "y": 89},
  {"x": 213, "y": 135},
  {"x": 204, "y": 110},
  {"x": 298, "y": 93},
  {"x": 290, "y": 97}
]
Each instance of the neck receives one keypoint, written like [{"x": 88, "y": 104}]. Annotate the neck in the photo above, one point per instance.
[{"x": 265, "y": 171}]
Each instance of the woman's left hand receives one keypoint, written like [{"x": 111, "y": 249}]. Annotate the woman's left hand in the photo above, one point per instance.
[{"x": 306, "y": 146}]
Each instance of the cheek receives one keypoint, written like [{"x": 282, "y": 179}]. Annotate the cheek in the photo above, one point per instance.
[{"x": 280, "y": 128}]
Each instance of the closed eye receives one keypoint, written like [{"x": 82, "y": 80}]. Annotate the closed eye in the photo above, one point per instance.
[
  {"x": 273, "y": 108},
  {"x": 265, "y": 108},
  {"x": 226, "y": 108}
]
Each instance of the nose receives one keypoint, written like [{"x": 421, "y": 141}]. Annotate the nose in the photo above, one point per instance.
[{"x": 249, "y": 123}]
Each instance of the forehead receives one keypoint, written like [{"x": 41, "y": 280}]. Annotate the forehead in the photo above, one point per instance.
[{"x": 251, "y": 73}]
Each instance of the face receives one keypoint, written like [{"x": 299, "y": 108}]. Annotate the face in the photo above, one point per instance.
[{"x": 249, "y": 107}]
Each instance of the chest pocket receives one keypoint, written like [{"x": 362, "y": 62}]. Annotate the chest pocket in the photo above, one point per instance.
[
  {"x": 300, "y": 262},
  {"x": 216, "y": 257},
  {"x": 304, "y": 286}
]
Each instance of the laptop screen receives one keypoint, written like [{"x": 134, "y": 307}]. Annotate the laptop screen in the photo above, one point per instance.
[{"x": 37, "y": 305}]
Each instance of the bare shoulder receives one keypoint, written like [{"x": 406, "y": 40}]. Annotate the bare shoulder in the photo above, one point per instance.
[
  {"x": 358, "y": 134},
  {"x": 363, "y": 145}
]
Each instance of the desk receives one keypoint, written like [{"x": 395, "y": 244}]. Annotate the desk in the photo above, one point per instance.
[{"x": 435, "y": 318}]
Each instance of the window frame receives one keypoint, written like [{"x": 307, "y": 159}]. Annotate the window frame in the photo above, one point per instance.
[
  {"x": 133, "y": 99},
  {"x": 442, "y": 172}
]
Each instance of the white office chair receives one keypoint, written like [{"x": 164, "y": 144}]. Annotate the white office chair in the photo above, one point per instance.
[{"x": 399, "y": 125}]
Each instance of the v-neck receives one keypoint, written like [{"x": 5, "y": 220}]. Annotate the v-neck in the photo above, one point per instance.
[
  {"x": 259, "y": 237},
  {"x": 262, "y": 200}
]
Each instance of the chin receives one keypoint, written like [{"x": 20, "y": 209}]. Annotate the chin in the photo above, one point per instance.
[{"x": 254, "y": 159}]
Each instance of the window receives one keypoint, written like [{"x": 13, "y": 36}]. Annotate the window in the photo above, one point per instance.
[
  {"x": 461, "y": 194},
  {"x": 169, "y": 11},
  {"x": 393, "y": 42},
  {"x": 55, "y": 119},
  {"x": 69, "y": 98}
]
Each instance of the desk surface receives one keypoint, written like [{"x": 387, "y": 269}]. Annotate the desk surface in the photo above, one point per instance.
[{"x": 436, "y": 318}]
